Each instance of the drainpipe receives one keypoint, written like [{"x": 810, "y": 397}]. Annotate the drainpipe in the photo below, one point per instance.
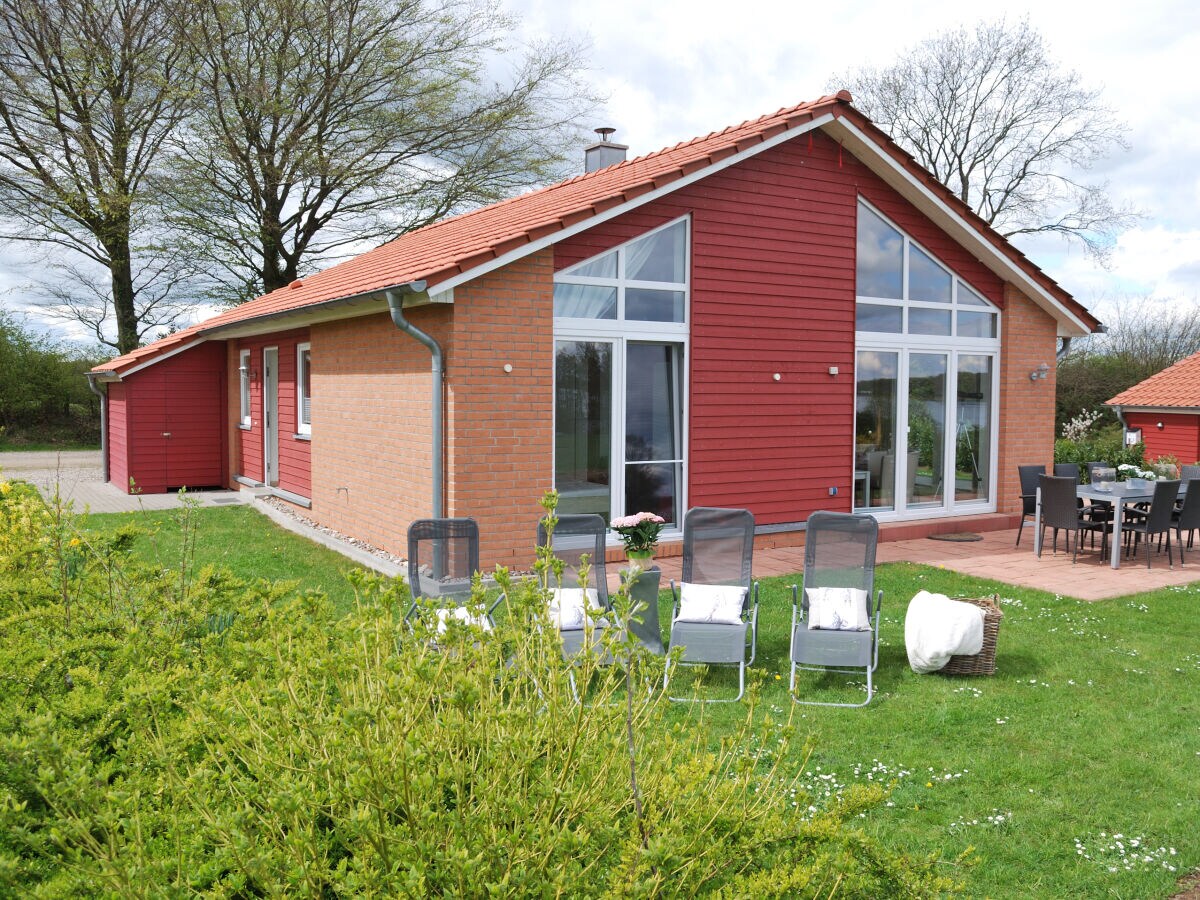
[
  {"x": 103, "y": 395},
  {"x": 395, "y": 299}
]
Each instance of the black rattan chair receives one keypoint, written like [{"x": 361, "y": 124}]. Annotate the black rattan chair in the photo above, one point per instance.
[
  {"x": 1186, "y": 516},
  {"x": 1157, "y": 520},
  {"x": 1029, "y": 483},
  {"x": 1060, "y": 511}
]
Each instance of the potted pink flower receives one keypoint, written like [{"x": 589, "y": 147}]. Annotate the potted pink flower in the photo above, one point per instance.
[{"x": 639, "y": 533}]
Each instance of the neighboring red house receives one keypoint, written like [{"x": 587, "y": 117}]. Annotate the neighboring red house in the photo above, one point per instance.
[
  {"x": 1164, "y": 411},
  {"x": 787, "y": 315}
]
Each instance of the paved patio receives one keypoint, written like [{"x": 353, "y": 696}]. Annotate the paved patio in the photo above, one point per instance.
[{"x": 77, "y": 475}]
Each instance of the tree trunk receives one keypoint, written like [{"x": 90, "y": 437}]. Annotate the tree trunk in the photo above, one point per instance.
[{"x": 123, "y": 294}]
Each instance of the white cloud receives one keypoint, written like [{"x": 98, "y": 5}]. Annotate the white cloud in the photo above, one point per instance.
[{"x": 676, "y": 69}]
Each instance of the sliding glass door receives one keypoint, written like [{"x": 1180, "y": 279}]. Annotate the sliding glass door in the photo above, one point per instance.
[
  {"x": 948, "y": 438},
  {"x": 627, "y": 388},
  {"x": 583, "y": 420}
]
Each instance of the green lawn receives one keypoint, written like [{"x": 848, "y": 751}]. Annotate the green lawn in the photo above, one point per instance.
[
  {"x": 1073, "y": 772},
  {"x": 246, "y": 541}
]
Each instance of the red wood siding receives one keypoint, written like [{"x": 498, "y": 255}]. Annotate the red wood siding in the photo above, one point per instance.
[
  {"x": 173, "y": 422},
  {"x": 773, "y": 273},
  {"x": 295, "y": 466},
  {"x": 1179, "y": 436},
  {"x": 118, "y": 436}
]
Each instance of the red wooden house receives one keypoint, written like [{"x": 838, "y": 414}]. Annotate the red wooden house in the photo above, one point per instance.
[
  {"x": 787, "y": 315},
  {"x": 1164, "y": 411}
]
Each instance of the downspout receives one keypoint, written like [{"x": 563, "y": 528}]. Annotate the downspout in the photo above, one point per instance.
[
  {"x": 103, "y": 395},
  {"x": 395, "y": 299}
]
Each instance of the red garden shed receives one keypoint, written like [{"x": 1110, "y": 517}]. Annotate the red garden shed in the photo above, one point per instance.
[
  {"x": 1164, "y": 411},
  {"x": 166, "y": 423}
]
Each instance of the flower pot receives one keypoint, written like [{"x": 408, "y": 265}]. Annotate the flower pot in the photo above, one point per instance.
[
  {"x": 640, "y": 555},
  {"x": 1137, "y": 484}
]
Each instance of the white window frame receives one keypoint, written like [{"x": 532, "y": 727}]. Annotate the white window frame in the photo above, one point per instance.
[
  {"x": 302, "y": 369},
  {"x": 620, "y": 333},
  {"x": 244, "y": 389},
  {"x": 953, "y": 347}
]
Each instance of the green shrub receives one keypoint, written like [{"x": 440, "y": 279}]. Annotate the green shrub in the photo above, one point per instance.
[
  {"x": 1106, "y": 446},
  {"x": 153, "y": 742}
]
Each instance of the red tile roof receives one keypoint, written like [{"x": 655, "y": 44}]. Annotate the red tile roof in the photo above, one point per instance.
[
  {"x": 1177, "y": 385},
  {"x": 453, "y": 246}
]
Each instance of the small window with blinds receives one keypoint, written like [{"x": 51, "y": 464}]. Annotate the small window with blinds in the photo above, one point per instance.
[{"x": 303, "y": 390}]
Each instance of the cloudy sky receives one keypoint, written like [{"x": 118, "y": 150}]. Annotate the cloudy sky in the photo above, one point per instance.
[{"x": 675, "y": 69}]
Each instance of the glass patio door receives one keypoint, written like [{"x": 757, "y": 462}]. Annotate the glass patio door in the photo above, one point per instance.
[
  {"x": 618, "y": 445},
  {"x": 876, "y": 415},
  {"x": 583, "y": 426},
  {"x": 973, "y": 437},
  {"x": 927, "y": 403},
  {"x": 653, "y": 448}
]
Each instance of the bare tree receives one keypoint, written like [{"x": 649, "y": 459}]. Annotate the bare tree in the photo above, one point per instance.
[
  {"x": 89, "y": 92},
  {"x": 330, "y": 125},
  {"x": 996, "y": 120}
]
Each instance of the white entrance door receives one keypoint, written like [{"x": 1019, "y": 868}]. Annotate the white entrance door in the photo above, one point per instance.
[{"x": 271, "y": 415}]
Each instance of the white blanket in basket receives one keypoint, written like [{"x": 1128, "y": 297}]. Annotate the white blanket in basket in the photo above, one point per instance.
[{"x": 936, "y": 628}]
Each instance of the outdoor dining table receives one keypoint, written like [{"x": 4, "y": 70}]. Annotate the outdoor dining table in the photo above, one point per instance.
[{"x": 1122, "y": 494}]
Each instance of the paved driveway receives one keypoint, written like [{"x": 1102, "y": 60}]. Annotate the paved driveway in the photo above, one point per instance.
[{"x": 76, "y": 475}]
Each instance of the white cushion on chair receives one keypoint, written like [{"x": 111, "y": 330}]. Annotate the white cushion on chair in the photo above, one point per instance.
[
  {"x": 718, "y": 604},
  {"x": 567, "y": 606},
  {"x": 837, "y": 609},
  {"x": 462, "y": 614}
]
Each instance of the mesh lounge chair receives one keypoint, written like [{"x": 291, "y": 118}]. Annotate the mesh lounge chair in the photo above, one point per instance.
[
  {"x": 718, "y": 551},
  {"x": 574, "y": 537},
  {"x": 839, "y": 552},
  {"x": 443, "y": 556},
  {"x": 1029, "y": 484}
]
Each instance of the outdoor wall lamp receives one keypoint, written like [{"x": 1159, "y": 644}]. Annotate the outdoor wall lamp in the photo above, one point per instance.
[
  {"x": 1040, "y": 373},
  {"x": 1158, "y": 425}
]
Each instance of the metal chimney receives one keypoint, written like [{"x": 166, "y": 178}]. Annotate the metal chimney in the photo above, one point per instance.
[{"x": 603, "y": 153}]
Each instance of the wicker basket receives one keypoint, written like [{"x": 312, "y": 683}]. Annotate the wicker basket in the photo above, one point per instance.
[{"x": 983, "y": 662}]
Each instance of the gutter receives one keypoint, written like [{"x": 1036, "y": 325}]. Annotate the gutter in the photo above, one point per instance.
[
  {"x": 395, "y": 299},
  {"x": 103, "y": 395}
]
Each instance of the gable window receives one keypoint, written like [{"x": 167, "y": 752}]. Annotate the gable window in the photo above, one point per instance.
[
  {"x": 902, "y": 289},
  {"x": 620, "y": 348},
  {"x": 925, "y": 385},
  {"x": 303, "y": 391},
  {"x": 244, "y": 388}
]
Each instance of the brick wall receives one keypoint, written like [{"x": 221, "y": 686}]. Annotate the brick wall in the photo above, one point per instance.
[
  {"x": 500, "y": 432},
  {"x": 371, "y": 445},
  {"x": 1026, "y": 418},
  {"x": 371, "y": 409}
]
